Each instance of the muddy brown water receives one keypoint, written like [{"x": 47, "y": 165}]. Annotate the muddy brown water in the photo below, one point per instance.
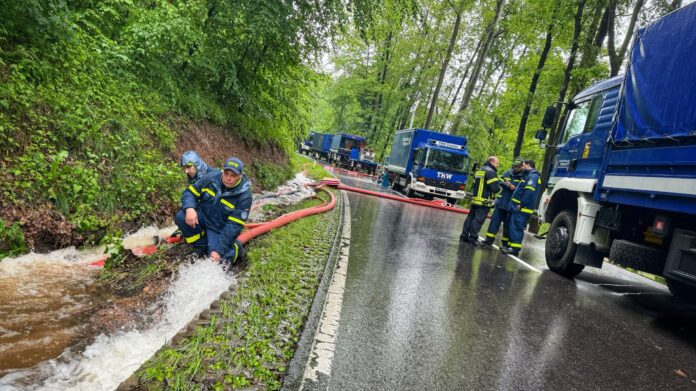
[{"x": 48, "y": 339}]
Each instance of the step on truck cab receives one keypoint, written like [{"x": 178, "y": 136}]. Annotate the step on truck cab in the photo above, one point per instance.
[
  {"x": 622, "y": 182},
  {"x": 429, "y": 163}
]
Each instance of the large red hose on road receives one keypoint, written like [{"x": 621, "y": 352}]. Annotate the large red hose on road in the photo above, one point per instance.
[
  {"x": 256, "y": 229},
  {"x": 431, "y": 204}
]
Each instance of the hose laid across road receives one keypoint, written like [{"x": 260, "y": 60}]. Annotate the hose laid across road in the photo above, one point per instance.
[{"x": 255, "y": 229}]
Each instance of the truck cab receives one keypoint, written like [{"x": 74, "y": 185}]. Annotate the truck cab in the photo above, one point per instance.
[{"x": 430, "y": 164}]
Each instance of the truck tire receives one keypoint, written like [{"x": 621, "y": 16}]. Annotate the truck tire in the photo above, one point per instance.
[
  {"x": 408, "y": 191},
  {"x": 560, "y": 249},
  {"x": 395, "y": 184},
  {"x": 637, "y": 256},
  {"x": 682, "y": 290},
  {"x": 451, "y": 201}
]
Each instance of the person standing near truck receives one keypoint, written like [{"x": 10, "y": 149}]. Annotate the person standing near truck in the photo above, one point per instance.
[
  {"x": 509, "y": 182},
  {"x": 486, "y": 186},
  {"x": 522, "y": 206}
]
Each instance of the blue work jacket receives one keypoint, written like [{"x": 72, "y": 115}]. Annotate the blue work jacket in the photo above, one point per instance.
[
  {"x": 525, "y": 194},
  {"x": 225, "y": 209},
  {"x": 506, "y": 193}
]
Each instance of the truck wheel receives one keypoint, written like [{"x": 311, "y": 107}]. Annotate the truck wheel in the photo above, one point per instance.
[
  {"x": 408, "y": 191},
  {"x": 637, "y": 256},
  {"x": 560, "y": 249},
  {"x": 682, "y": 290},
  {"x": 395, "y": 184},
  {"x": 451, "y": 201}
]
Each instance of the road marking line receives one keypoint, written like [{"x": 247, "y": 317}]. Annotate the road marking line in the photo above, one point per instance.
[
  {"x": 324, "y": 344},
  {"x": 495, "y": 246}
]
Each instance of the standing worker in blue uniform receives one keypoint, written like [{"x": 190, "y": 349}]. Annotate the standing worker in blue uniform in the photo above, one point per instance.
[
  {"x": 508, "y": 182},
  {"x": 194, "y": 167},
  {"x": 522, "y": 205},
  {"x": 214, "y": 212},
  {"x": 485, "y": 188}
]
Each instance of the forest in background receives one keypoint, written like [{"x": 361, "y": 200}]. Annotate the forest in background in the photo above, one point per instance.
[
  {"x": 96, "y": 96},
  {"x": 485, "y": 69}
]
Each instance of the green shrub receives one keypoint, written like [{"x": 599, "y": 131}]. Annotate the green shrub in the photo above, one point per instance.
[
  {"x": 269, "y": 175},
  {"x": 11, "y": 240}
]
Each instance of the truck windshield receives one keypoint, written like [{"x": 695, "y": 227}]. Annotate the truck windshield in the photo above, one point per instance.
[{"x": 447, "y": 161}]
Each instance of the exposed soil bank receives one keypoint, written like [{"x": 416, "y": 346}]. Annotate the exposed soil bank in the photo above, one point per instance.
[{"x": 45, "y": 228}]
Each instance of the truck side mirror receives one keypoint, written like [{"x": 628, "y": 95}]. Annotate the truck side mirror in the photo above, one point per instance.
[
  {"x": 549, "y": 115},
  {"x": 541, "y": 135}
]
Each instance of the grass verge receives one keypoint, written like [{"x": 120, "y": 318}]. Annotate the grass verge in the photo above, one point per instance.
[
  {"x": 311, "y": 168},
  {"x": 251, "y": 338}
]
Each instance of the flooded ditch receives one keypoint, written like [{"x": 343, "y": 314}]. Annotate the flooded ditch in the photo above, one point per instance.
[{"x": 58, "y": 330}]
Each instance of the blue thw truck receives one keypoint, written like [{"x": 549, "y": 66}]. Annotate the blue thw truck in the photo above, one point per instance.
[
  {"x": 343, "y": 147},
  {"x": 305, "y": 146},
  {"x": 321, "y": 145},
  {"x": 622, "y": 182},
  {"x": 429, "y": 163}
]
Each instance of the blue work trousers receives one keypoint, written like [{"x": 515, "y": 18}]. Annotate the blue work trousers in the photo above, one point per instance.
[
  {"x": 202, "y": 239},
  {"x": 518, "y": 223},
  {"x": 500, "y": 216}
]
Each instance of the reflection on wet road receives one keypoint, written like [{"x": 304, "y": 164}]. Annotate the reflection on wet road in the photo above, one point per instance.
[{"x": 423, "y": 312}]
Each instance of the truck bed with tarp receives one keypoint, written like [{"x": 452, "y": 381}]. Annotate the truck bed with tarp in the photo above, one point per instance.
[{"x": 651, "y": 153}]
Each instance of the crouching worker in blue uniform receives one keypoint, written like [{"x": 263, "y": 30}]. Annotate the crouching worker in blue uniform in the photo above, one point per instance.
[
  {"x": 522, "y": 206},
  {"x": 214, "y": 211}
]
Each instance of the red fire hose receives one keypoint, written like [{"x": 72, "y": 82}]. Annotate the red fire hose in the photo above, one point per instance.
[{"x": 255, "y": 229}]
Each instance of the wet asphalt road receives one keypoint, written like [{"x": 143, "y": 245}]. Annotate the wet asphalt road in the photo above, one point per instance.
[{"x": 423, "y": 312}]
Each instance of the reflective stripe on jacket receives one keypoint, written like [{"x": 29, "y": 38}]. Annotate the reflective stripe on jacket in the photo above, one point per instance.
[
  {"x": 225, "y": 209},
  {"x": 485, "y": 185},
  {"x": 525, "y": 194}
]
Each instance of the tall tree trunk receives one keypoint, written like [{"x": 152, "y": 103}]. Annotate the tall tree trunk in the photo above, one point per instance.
[
  {"x": 616, "y": 58},
  {"x": 392, "y": 129},
  {"x": 533, "y": 84},
  {"x": 448, "y": 111},
  {"x": 382, "y": 80},
  {"x": 443, "y": 69},
  {"x": 490, "y": 33},
  {"x": 562, "y": 93}
]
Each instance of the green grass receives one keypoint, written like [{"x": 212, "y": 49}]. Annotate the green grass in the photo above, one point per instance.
[
  {"x": 312, "y": 169},
  {"x": 252, "y": 338}
]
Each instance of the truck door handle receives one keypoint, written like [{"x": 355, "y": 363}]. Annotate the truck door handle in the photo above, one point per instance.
[{"x": 573, "y": 164}]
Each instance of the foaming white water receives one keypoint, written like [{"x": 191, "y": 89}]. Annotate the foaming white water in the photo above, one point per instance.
[
  {"x": 145, "y": 236},
  {"x": 111, "y": 359},
  {"x": 291, "y": 192}
]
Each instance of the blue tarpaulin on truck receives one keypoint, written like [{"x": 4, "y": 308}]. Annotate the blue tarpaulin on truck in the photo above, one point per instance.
[{"x": 660, "y": 88}]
